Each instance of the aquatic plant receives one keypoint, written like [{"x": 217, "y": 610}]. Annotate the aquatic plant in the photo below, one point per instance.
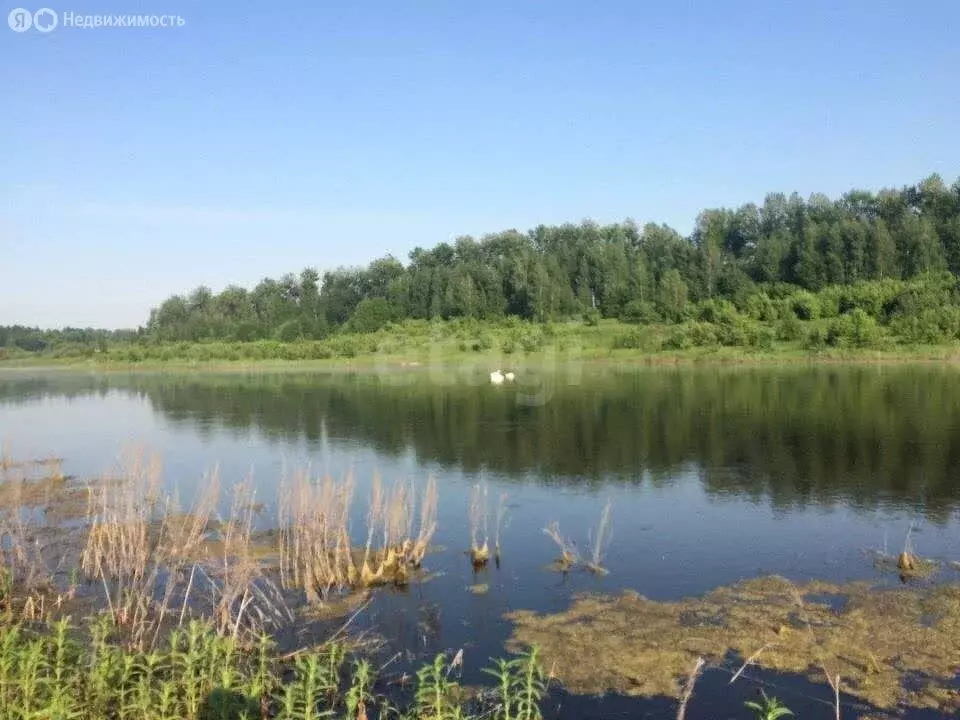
[
  {"x": 501, "y": 519},
  {"x": 768, "y": 708},
  {"x": 599, "y": 540},
  {"x": 875, "y": 641},
  {"x": 478, "y": 516},
  {"x": 62, "y": 671},
  {"x": 434, "y": 695},
  {"x": 315, "y": 548},
  {"x": 568, "y": 551}
]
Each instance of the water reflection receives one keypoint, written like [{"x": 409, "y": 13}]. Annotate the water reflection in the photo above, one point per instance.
[{"x": 865, "y": 436}]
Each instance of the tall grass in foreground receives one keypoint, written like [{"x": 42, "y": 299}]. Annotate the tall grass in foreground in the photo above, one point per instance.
[{"x": 59, "y": 671}]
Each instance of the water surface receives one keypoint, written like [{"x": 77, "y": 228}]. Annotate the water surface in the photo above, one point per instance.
[{"x": 714, "y": 475}]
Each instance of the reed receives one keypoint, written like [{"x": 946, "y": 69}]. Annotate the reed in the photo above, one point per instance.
[
  {"x": 599, "y": 541},
  {"x": 501, "y": 520},
  {"x": 568, "y": 551},
  {"x": 138, "y": 543},
  {"x": 478, "y": 516},
  {"x": 316, "y": 554}
]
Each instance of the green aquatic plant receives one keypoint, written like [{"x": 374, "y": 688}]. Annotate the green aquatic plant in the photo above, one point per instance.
[
  {"x": 520, "y": 686},
  {"x": 768, "y": 708},
  {"x": 433, "y": 697},
  {"x": 358, "y": 694}
]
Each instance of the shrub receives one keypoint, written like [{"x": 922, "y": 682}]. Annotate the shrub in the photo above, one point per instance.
[
  {"x": 691, "y": 334},
  {"x": 591, "y": 317},
  {"x": 717, "y": 311},
  {"x": 929, "y": 327},
  {"x": 531, "y": 341},
  {"x": 371, "y": 315},
  {"x": 789, "y": 328},
  {"x": 829, "y": 301},
  {"x": 805, "y": 306},
  {"x": 640, "y": 312},
  {"x": 636, "y": 339},
  {"x": 759, "y": 306},
  {"x": 816, "y": 338},
  {"x": 856, "y": 329}
]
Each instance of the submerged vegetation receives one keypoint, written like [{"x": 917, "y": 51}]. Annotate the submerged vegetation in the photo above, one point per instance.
[{"x": 890, "y": 648}]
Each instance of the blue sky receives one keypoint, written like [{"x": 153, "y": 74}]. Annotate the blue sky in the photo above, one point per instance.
[{"x": 262, "y": 138}]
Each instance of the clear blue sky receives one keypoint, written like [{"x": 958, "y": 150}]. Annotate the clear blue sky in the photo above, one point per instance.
[{"x": 265, "y": 137}]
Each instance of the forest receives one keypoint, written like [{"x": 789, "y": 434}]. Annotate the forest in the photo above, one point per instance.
[{"x": 876, "y": 265}]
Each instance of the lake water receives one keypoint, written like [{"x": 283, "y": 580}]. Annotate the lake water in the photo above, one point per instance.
[{"x": 714, "y": 475}]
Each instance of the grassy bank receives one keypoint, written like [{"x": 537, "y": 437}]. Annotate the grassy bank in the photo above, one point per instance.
[{"x": 516, "y": 343}]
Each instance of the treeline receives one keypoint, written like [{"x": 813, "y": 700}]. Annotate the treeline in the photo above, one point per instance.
[
  {"x": 35, "y": 340},
  {"x": 748, "y": 256}
]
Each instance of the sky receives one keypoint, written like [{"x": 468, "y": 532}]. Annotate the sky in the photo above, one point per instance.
[{"x": 263, "y": 138}]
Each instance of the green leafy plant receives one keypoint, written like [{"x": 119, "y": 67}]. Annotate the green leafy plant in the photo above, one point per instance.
[{"x": 768, "y": 708}]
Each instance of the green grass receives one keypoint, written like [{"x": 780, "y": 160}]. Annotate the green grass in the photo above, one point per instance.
[
  {"x": 63, "y": 672},
  {"x": 514, "y": 343}
]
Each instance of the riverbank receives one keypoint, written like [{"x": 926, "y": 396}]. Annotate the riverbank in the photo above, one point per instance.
[
  {"x": 513, "y": 343},
  {"x": 780, "y": 354}
]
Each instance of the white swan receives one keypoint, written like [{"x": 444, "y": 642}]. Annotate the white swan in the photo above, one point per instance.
[
  {"x": 496, "y": 377},
  {"x": 509, "y": 377}
]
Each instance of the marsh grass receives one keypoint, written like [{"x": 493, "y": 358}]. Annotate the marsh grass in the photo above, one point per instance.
[
  {"x": 599, "y": 541},
  {"x": 315, "y": 548},
  {"x": 478, "y": 515},
  {"x": 908, "y": 564},
  {"x": 500, "y": 523},
  {"x": 569, "y": 556},
  {"x": 153, "y": 565},
  {"x": 139, "y": 543}
]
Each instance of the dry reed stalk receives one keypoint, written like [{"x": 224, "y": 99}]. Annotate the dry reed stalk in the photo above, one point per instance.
[
  {"x": 600, "y": 539},
  {"x": 316, "y": 553},
  {"x": 428, "y": 522},
  {"x": 138, "y": 540},
  {"x": 568, "y": 551},
  {"x": 749, "y": 660},
  {"x": 688, "y": 688},
  {"x": 501, "y": 518},
  {"x": 479, "y": 553}
]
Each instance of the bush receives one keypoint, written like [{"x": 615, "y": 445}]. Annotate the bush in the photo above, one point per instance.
[
  {"x": 636, "y": 339},
  {"x": 929, "y": 327},
  {"x": 531, "y": 341},
  {"x": 805, "y": 306},
  {"x": 640, "y": 313},
  {"x": 816, "y": 338},
  {"x": 691, "y": 334},
  {"x": 789, "y": 328},
  {"x": 856, "y": 329},
  {"x": 829, "y": 300},
  {"x": 762, "y": 337},
  {"x": 759, "y": 306},
  {"x": 717, "y": 311},
  {"x": 371, "y": 315},
  {"x": 591, "y": 317},
  {"x": 289, "y": 331}
]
